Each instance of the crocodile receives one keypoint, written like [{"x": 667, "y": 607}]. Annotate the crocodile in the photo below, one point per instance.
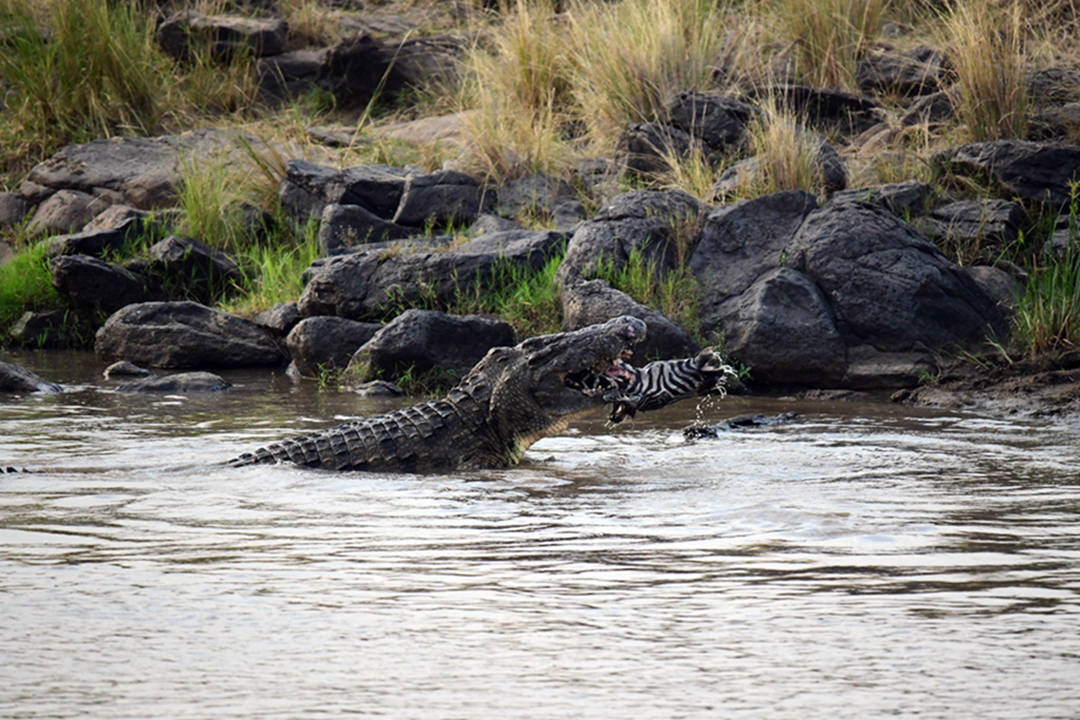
[{"x": 510, "y": 399}]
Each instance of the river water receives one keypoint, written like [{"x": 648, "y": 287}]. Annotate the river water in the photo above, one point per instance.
[{"x": 856, "y": 561}]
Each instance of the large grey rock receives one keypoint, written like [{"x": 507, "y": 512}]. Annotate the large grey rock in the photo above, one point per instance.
[
  {"x": 888, "y": 286},
  {"x": 109, "y": 231},
  {"x": 144, "y": 172},
  {"x": 905, "y": 200},
  {"x": 308, "y": 188},
  {"x": 649, "y": 148},
  {"x": 64, "y": 212},
  {"x": 94, "y": 283},
  {"x": 740, "y": 242},
  {"x": 223, "y": 35},
  {"x": 281, "y": 318},
  {"x": 595, "y": 301},
  {"x": 1033, "y": 172},
  {"x": 846, "y": 295},
  {"x": 535, "y": 193},
  {"x": 13, "y": 208},
  {"x": 187, "y": 382},
  {"x": 186, "y": 335},
  {"x": 975, "y": 230},
  {"x": 188, "y": 267},
  {"x": 365, "y": 285},
  {"x": 352, "y": 225},
  {"x": 15, "y": 378},
  {"x": 354, "y": 68},
  {"x": 326, "y": 343},
  {"x": 441, "y": 197},
  {"x": 422, "y": 340},
  {"x": 718, "y": 121},
  {"x": 660, "y": 225},
  {"x": 782, "y": 327},
  {"x": 291, "y": 74}
]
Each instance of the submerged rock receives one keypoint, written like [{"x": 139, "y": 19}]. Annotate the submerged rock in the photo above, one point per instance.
[
  {"x": 15, "y": 378},
  {"x": 178, "y": 383}
]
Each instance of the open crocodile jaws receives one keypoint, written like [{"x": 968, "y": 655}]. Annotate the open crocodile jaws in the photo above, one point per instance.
[{"x": 513, "y": 397}]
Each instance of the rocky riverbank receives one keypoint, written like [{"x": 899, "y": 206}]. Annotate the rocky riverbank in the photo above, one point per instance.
[{"x": 844, "y": 285}]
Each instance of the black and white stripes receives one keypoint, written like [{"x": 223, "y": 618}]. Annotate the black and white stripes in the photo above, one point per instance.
[{"x": 663, "y": 382}]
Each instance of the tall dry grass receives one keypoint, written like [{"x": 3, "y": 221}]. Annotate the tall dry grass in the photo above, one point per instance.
[
  {"x": 986, "y": 45},
  {"x": 828, "y": 36}
]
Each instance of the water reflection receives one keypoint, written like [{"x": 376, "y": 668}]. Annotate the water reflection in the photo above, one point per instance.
[{"x": 855, "y": 562}]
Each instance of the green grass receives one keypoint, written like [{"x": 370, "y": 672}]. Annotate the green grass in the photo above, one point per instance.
[
  {"x": 26, "y": 284},
  {"x": 674, "y": 292},
  {"x": 272, "y": 274}
]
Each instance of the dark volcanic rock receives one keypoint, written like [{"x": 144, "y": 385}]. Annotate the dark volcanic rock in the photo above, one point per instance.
[
  {"x": 53, "y": 329},
  {"x": 13, "y": 208},
  {"x": 186, "y": 335},
  {"x": 352, "y": 226},
  {"x": 824, "y": 109},
  {"x": 179, "y": 383},
  {"x": 66, "y": 211},
  {"x": 782, "y": 327},
  {"x": 916, "y": 72},
  {"x": 308, "y": 188},
  {"x": 1033, "y": 172},
  {"x": 422, "y": 340},
  {"x": 649, "y": 147},
  {"x": 291, "y": 74},
  {"x": 446, "y": 196},
  {"x": 905, "y": 200},
  {"x": 595, "y": 301},
  {"x": 281, "y": 317},
  {"x": 981, "y": 229},
  {"x": 718, "y": 121},
  {"x": 534, "y": 194},
  {"x": 191, "y": 267},
  {"x": 324, "y": 343},
  {"x": 14, "y": 378},
  {"x": 930, "y": 109},
  {"x": 740, "y": 242},
  {"x": 225, "y": 35},
  {"x": 660, "y": 225},
  {"x": 888, "y": 286},
  {"x": 95, "y": 283},
  {"x": 354, "y": 68},
  {"x": 362, "y": 286}
]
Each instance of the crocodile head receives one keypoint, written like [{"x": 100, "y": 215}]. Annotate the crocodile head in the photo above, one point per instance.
[{"x": 538, "y": 385}]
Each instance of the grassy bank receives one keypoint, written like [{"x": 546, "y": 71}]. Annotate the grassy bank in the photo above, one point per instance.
[{"x": 548, "y": 85}]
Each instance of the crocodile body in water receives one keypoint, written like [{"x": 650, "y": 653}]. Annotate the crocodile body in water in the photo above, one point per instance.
[{"x": 513, "y": 397}]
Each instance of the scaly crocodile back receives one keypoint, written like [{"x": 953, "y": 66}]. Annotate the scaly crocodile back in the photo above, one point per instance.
[{"x": 440, "y": 433}]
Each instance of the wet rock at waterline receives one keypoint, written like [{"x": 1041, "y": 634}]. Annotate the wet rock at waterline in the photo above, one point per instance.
[
  {"x": 417, "y": 341},
  {"x": 186, "y": 335},
  {"x": 325, "y": 343},
  {"x": 14, "y": 378},
  {"x": 189, "y": 382}
]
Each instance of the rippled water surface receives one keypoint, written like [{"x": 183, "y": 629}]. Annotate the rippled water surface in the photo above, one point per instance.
[{"x": 856, "y": 562}]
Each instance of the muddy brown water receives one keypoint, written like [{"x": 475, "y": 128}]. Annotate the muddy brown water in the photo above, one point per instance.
[{"x": 858, "y": 561}]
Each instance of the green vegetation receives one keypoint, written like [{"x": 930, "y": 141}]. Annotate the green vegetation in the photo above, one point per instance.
[{"x": 26, "y": 284}]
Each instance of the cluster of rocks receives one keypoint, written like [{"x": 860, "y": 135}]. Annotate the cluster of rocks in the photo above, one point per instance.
[
  {"x": 353, "y": 70},
  {"x": 851, "y": 293}
]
